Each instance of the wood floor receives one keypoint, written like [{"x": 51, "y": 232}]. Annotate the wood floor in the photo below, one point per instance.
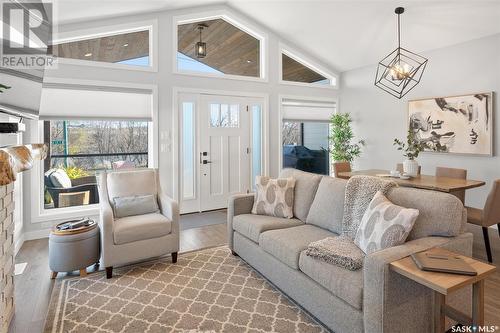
[{"x": 33, "y": 287}]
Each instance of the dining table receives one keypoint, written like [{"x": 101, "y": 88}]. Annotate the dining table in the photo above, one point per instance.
[{"x": 427, "y": 182}]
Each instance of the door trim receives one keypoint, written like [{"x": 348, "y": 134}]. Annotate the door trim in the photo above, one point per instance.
[{"x": 174, "y": 140}]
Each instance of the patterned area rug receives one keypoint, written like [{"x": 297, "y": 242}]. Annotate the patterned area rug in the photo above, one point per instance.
[{"x": 206, "y": 291}]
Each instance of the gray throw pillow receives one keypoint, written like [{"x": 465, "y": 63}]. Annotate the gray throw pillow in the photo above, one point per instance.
[
  {"x": 274, "y": 197},
  {"x": 135, "y": 205},
  {"x": 384, "y": 225},
  {"x": 59, "y": 178}
]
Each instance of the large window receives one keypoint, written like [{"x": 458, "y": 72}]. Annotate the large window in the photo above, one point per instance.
[
  {"x": 217, "y": 47},
  {"x": 81, "y": 148},
  {"x": 130, "y": 48},
  {"x": 305, "y": 146}
]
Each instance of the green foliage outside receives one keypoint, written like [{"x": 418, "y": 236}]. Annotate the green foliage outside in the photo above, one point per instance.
[
  {"x": 412, "y": 147},
  {"x": 74, "y": 172},
  {"x": 343, "y": 145}
]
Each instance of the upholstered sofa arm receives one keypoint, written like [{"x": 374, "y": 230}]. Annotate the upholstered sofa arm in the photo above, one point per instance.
[
  {"x": 394, "y": 303},
  {"x": 106, "y": 219},
  {"x": 170, "y": 209},
  {"x": 238, "y": 204}
]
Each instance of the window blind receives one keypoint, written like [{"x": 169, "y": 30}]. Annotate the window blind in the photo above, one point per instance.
[
  {"x": 90, "y": 102},
  {"x": 307, "y": 110}
]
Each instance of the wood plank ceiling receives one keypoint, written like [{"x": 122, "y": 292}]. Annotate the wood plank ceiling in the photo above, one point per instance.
[
  {"x": 296, "y": 72},
  {"x": 229, "y": 49},
  {"x": 106, "y": 49}
]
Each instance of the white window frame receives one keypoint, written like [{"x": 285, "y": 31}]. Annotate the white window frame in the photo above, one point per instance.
[
  {"x": 281, "y": 98},
  {"x": 38, "y": 212},
  {"x": 112, "y": 30},
  {"x": 236, "y": 21},
  {"x": 307, "y": 62}
]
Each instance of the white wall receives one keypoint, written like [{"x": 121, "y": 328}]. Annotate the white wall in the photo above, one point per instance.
[
  {"x": 466, "y": 68},
  {"x": 165, "y": 79}
]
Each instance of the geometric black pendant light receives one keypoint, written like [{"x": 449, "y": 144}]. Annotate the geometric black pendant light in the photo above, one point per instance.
[
  {"x": 200, "y": 48},
  {"x": 401, "y": 70}
]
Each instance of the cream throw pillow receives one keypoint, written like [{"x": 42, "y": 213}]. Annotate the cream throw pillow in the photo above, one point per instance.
[
  {"x": 274, "y": 197},
  {"x": 384, "y": 225}
]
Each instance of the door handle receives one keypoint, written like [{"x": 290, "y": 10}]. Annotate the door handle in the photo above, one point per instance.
[{"x": 206, "y": 161}]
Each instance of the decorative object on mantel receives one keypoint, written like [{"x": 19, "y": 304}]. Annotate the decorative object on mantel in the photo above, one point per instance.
[
  {"x": 12, "y": 160},
  {"x": 17, "y": 159},
  {"x": 401, "y": 70},
  {"x": 456, "y": 124},
  {"x": 343, "y": 149},
  {"x": 411, "y": 148}
]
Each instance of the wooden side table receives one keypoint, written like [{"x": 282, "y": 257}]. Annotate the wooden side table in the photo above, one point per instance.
[{"x": 443, "y": 284}]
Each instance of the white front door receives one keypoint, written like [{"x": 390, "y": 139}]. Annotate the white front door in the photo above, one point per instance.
[{"x": 224, "y": 150}]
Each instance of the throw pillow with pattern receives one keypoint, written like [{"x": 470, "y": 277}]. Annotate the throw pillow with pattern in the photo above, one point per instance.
[
  {"x": 384, "y": 225},
  {"x": 274, "y": 197}
]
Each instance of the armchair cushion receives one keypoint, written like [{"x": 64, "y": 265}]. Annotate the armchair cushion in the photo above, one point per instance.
[
  {"x": 140, "y": 227},
  {"x": 125, "y": 184},
  {"x": 59, "y": 178},
  {"x": 135, "y": 205}
]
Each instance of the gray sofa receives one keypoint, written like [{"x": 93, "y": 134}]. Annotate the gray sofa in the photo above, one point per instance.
[{"x": 372, "y": 299}]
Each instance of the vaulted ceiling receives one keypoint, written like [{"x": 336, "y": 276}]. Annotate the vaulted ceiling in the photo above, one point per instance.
[{"x": 342, "y": 34}]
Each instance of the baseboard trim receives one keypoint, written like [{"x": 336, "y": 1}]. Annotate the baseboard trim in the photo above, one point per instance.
[{"x": 37, "y": 234}]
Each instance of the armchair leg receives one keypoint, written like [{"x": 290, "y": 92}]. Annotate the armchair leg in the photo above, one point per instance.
[
  {"x": 174, "y": 257},
  {"x": 487, "y": 244},
  {"x": 498, "y": 227},
  {"x": 109, "y": 272}
]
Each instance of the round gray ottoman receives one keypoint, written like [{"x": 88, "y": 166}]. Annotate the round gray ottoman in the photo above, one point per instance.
[{"x": 74, "y": 250}]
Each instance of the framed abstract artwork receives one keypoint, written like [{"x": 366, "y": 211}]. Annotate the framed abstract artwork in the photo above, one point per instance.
[{"x": 456, "y": 124}]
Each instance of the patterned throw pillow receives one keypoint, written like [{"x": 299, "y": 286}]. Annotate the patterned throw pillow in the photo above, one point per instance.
[
  {"x": 384, "y": 225},
  {"x": 274, "y": 197}
]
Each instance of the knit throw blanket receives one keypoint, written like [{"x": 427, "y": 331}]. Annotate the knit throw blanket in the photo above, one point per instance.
[
  {"x": 340, "y": 251},
  {"x": 358, "y": 195}
]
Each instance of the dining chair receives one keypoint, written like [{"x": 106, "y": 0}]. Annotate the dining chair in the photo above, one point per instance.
[
  {"x": 487, "y": 216},
  {"x": 339, "y": 167},
  {"x": 399, "y": 167},
  {"x": 453, "y": 173}
]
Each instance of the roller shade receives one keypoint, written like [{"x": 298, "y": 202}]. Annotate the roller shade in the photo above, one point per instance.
[
  {"x": 307, "y": 110},
  {"x": 84, "y": 102}
]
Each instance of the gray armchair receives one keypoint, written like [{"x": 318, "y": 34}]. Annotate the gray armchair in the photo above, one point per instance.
[{"x": 135, "y": 238}]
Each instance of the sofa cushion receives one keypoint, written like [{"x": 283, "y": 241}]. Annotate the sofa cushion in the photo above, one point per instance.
[
  {"x": 343, "y": 283},
  {"x": 306, "y": 185},
  {"x": 274, "y": 197},
  {"x": 251, "y": 226},
  {"x": 440, "y": 214},
  {"x": 135, "y": 228},
  {"x": 60, "y": 178},
  {"x": 286, "y": 244},
  {"x": 129, "y": 183},
  {"x": 327, "y": 209}
]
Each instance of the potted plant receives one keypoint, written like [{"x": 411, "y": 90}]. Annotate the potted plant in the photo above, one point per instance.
[
  {"x": 411, "y": 149},
  {"x": 343, "y": 149}
]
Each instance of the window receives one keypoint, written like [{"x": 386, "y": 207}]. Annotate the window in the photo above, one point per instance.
[
  {"x": 256, "y": 142},
  {"x": 188, "y": 151},
  {"x": 130, "y": 48},
  {"x": 81, "y": 148},
  {"x": 224, "y": 115},
  {"x": 305, "y": 146},
  {"x": 296, "y": 70},
  {"x": 228, "y": 49}
]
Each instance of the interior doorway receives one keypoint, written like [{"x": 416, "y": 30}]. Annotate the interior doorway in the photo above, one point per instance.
[{"x": 220, "y": 148}]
